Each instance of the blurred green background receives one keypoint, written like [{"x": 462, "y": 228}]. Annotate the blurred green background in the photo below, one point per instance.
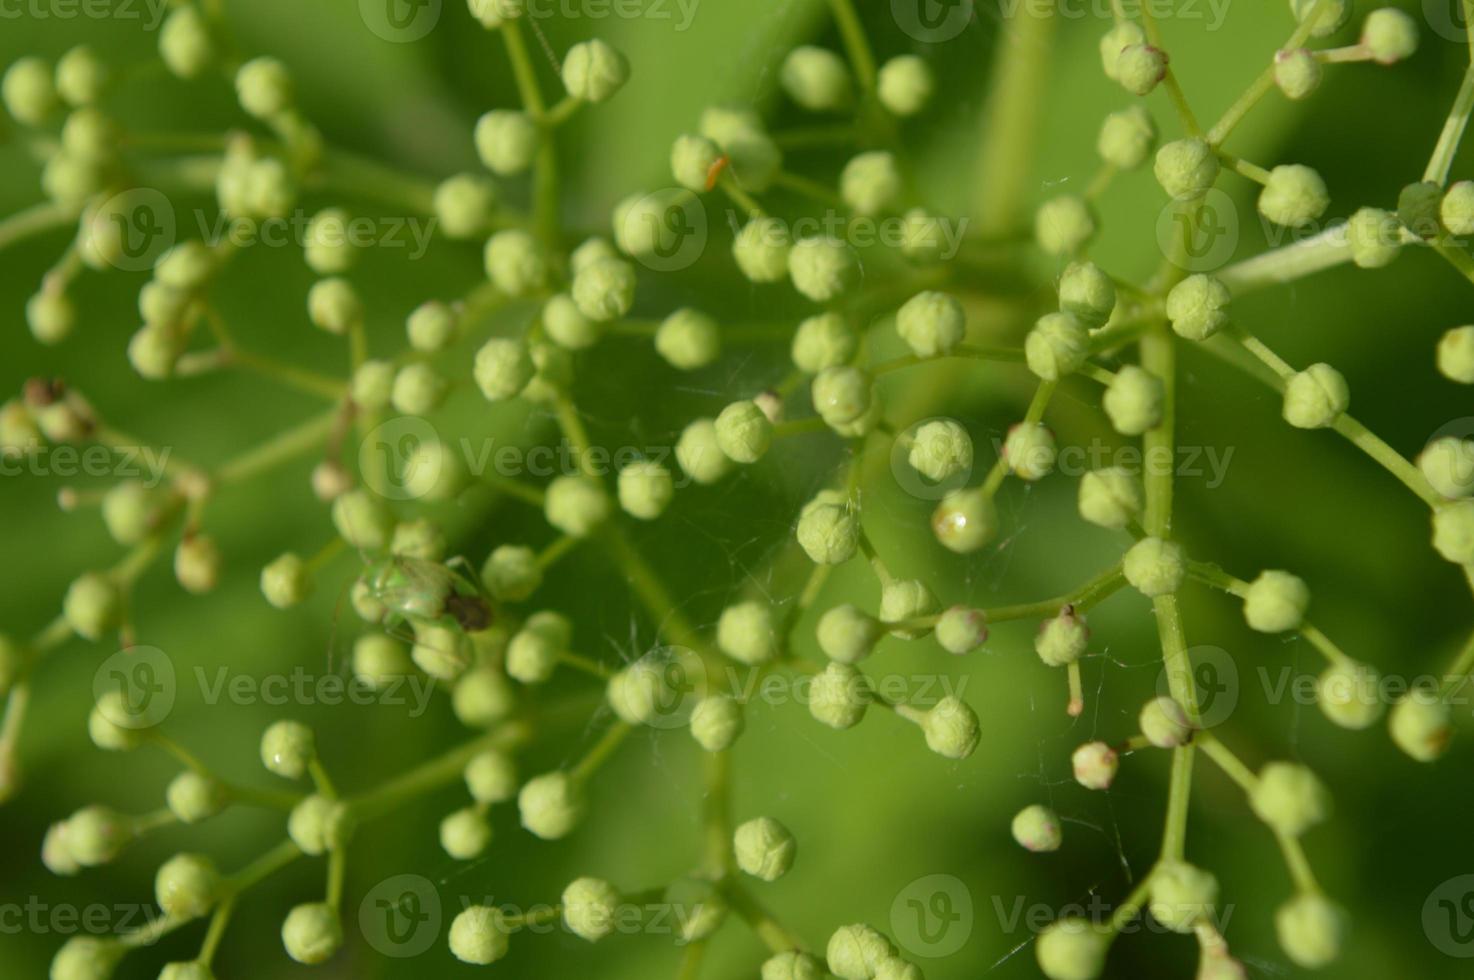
[{"x": 873, "y": 811}]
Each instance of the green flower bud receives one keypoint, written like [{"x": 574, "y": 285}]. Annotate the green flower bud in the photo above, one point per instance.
[
  {"x": 154, "y": 351},
  {"x": 1457, "y": 210},
  {"x": 1120, "y": 37},
  {"x": 567, "y": 326},
  {"x": 823, "y": 341},
  {"x": 1332, "y": 18},
  {"x": 533, "y": 653},
  {"x": 716, "y": 722},
  {"x": 482, "y": 697},
  {"x": 55, "y": 855},
  {"x": 1349, "y": 694},
  {"x": 691, "y": 161},
  {"x": 1110, "y": 497},
  {"x": 1182, "y": 895},
  {"x": 90, "y": 136},
  {"x": 28, "y": 91},
  {"x": 1289, "y": 798},
  {"x": 589, "y": 908},
  {"x": 465, "y": 834},
  {"x": 493, "y": 13},
  {"x": 764, "y": 848},
  {"x": 379, "y": 659},
  {"x": 762, "y": 249},
  {"x": 479, "y": 936},
  {"x": 506, "y": 141},
  {"x": 491, "y": 777},
  {"x": 161, "y": 305},
  {"x": 190, "y": 970},
  {"x": 1057, "y": 346},
  {"x": 113, "y": 726},
  {"x": 464, "y": 204},
  {"x": 1295, "y": 195},
  {"x": 593, "y": 71},
  {"x": 823, "y": 268},
  {"x": 1139, "y": 67},
  {"x": 1310, "y": 930},
  {"x": 1087, "y": 293},
  {"x": 1062, "y": 640},
  {"x": 1095, "y": 765},
  {"x": 1186, "y": 168},
  {"x": 193, "y": 797},
  {"x": 551, "y": 805},
  {"x": 842, "y": 394},
  {"x": 1165, "y": 724},
  {"x": 905, "y": 84},
  {"x": 1276, "y": 602},
  {"x": 1375, "y": 236},
  {"x": 1316, "y": 397},
  {"x": 756, "y": 159},
  {"x": 326, "y": 244},
  {"x": 1420, "y": 725},
  {"x": 604, "y": 290},
  {"x": 418, "y": 389},
  {"x": 1297, "y": 73},
  {"x": 1453, "y": 532},
  {"x": 828, "y": 530},
  {"x": 870, "y": 183},
  {"x": 962, "y": 629},
  {"x": 187, "y": 886},
  {"x": 333, "y": 305},
  {"x": 503, "y": 368},
  {"x": 1390, "y": 35},
  {"x": 93, "y": 605},
  {"x": 896, "y": 968},
  {"x": 922, "y": 237},
  {"x": 81, "y": 76},
  {"x": 317, "y": 824},
  {"x": 931, "y": 324},
  {"x": 688, "y": 339},
  {"x": 645, "y": 489},
  {"x": 745, "y": 632},
  {"x": 1037, "y": 829},
  {"x": 431, "y": 327},
  {"x": 817, "y": 79},
  {"x": 951, "y": 728},
  {"x": 87, "y": 958},
  {"x": 838, "y": 696},
  {"x": 791, "y": 965},
  {"x": 511, "y": 573},
  {"x": 1126, "y": 138},
  {"x": 743, "y": 432},
  {"x": 95, "y": 835},
  {"x": 1030, "y": 451},
  {"x": 312, "y": 933},
  {"x": 965, "y": 520},
  {"x": 576, "y": 505},
  {"x": 903, "y": 599},
  {"x": 439, "y": 651},
  {"x": 131, "y": 512},
  {"x": 856, "y": 952},
  {"x": 287, "y": 748},
  {"x": 362, "y": 520},
  {"x": 699, "y": 453},
  {"x": 847, "y": 634},
  {"x": 1456, "y": 355},
  {"x": 373, "y": 384},
  {"x": 1064, "y": 225},
  {"x": 185, "y": 44},
  {"x": 940, "y": 449},
  {"x": 515, "y": 263},
  {"x": 699, "y": 907},
  {"x": 264, "y": 88},
  {"x": 1072, "y": 949},
  {"x": 1154, "y": 567},
  {"x": 1133, "y": 401}
]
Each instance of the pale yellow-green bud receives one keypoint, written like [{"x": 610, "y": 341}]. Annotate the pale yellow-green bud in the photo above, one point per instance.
[
  {"x": 333, "y": 305},
  {"x": 962, "y": 629},
  {"x": 193, "y": 797},
  {"x": 1110, "y": 497},
  {"x": 51, "y": 315},
  {"x": 318, "y": 824},
  {"x": 716, "y": 722},
  {"x": 1139, "y": 67},
  {"x": 822, "y": 268},
  {"x": 1316, "y": 397},
  {"x": 604, "y": 290},
  {"x": 1289, "y": 798},
  {"x": 1295, "y": 195},
  {"x": 1420, "y": 725},
  {"x": 762, "y": 249},
  {"x": 1087, "y": 292},
  {"x": 1057, "y": 346},
  {"x": 903, "y": 599},
  {"x": 1375, "y": 236},
  {"x": 533, "y": 652},
  {"x": 1186, "y": 168},
  {"x": 871, "y": 183},
  {"x": 1276, "y": 602},
  {"x": 494, "y": 13},
  {"x": 1164, "y": 723},
  {"x": 95, "y": 835},
  {"x": 1311, "y": 930},
  {"x": 1095, "y": 765},
  {"x": 465, "y": 834},
  {"x": 491, "y": 777},
  {"x": 1062, "y": 639},
  {"x": 1072, "y": 949},
  {"x": 87, "y": 958},
  {"x": 131, "y": 512},
  {"x": 515, "y": 263},
  {"x": 1390, "y": 35},
  {"x": 1120, "y": 37},
  {"x": 1448, "y": 465},
  {"x": 551, "y": 805},
  {"x": 744, "y": 432},
  {"x": 29, "y": 91},
  {"x": 1182, "y": 895},
  {"x": 645, "y": 489},
  {"x": 1331, "y": 19},
  {"x": 823, "y": 341},
  {"x": 855, "y": 952},
  {"x": 1063, "y": 225},
  {"x": 923, "y": 239},
  {"x": 905, "y": 84},
  {"x": 478, "y": 936},
  {"x": 965, "y": 520},
  {"x": 688, "y": 339},
  {"x": 1037, "y": 828},
  {"x": 506, "y": 141},
  {"x": 1453, "y": 532},
  {"x": 1297, "y": 73},
  {"x": 511, "y": 572},
  {"x": 287, "y": 748},
  {"x": 841, "y": 394},
  {"x": 185, "y": 43},
  {"x": 931, "y": 323},
  {"x": 503, "y": 368},
  {"x": 464, "y": 204},
  {"x": 691, "y": 161},
  {"x": 482, "y": 697},
  {"x": 1029, "y": 450},
  {"x": 264, "y": 88},
  {"x": 745, "y": 632},
  {"x": 1456, "y": 355},
  {"x": 576, "y": 505},
  {"x": 699, "y": 907},
  {"x": 756, "y": 159},
  {"x": 589, "y": 908},
  {"x": 1133, "y": 400},
  {"x": 1126, "y": 138},
  {"x": 1349, "y": 694},
  {"x": 791, "y": 965},
  {"x": 81, "y": 76},
  {"x": 951, "y": 728},
  {"x": 817, "y": 79},
  {"x": 593, "y": 71},
  {"x": 847, "y": 633},
  {"x": 1154, "y": 567},
  {"x": 93, "y": 605},
  {"x": 838, "y": 696},
  {"x": 187, "y": 886},
  {"x": 362, "y": 520},
  {"x": 940, "y": 449},
  {"x": 699, "y": 453},
  {"x": 764, "y": 848}
]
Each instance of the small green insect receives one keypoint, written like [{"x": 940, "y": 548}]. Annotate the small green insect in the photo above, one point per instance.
[{"x": 418, "y": 590}]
